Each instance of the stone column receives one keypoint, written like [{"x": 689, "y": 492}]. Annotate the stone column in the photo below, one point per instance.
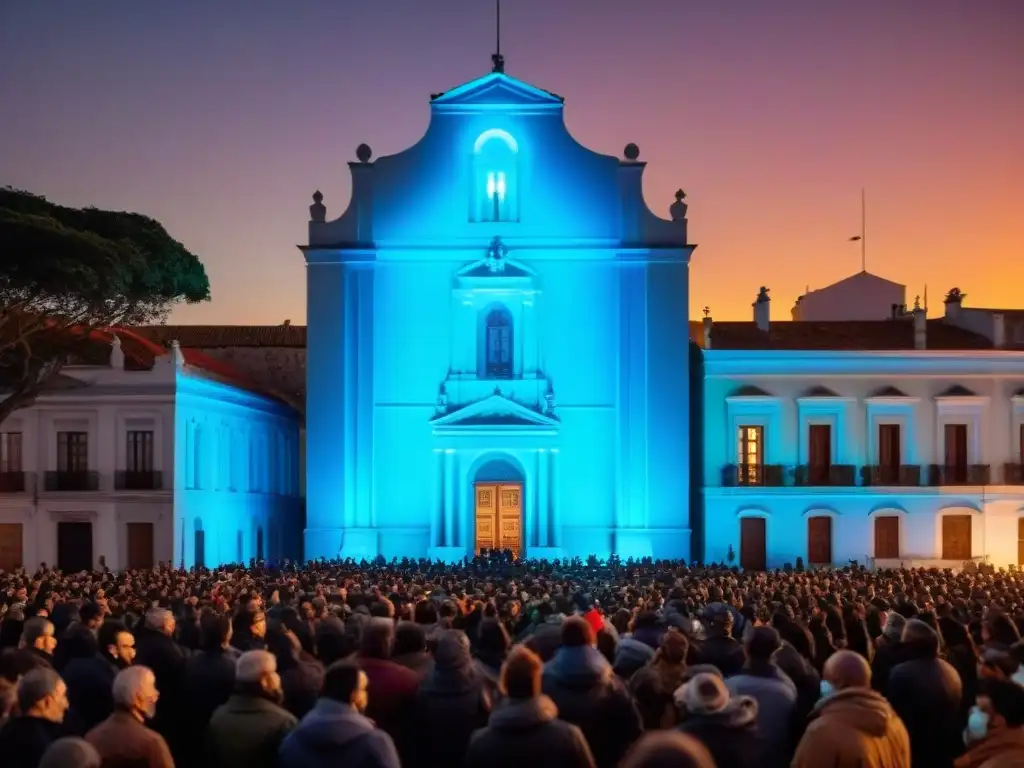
[
  {"x": 437, "y": 501},
  {"x": 543, "y": 497},
  {"x": 450, "y": 498},
  {"x": 553, "y": 505}
]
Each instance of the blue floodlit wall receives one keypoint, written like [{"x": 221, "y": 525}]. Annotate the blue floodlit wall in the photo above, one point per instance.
[
  {"x": 402, "y": 414},
  {"x": 236, "y": 476}
]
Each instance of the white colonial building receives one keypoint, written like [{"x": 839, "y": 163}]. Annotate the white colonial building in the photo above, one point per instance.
[
  {"x": 153, "y": 456},
  {"x": 883, "y": 442}
]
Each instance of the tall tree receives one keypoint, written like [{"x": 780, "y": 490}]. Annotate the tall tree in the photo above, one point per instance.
[{"x": 67, "y": 272}]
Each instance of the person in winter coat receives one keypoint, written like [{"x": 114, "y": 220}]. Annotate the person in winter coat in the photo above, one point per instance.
[
  {"x": 393, "y": 687},
  {"x": 43, "y": 702},
  {"x": 888, "y": 651},
  {"x": 123, "y": 738},
  {"x": 925, "y": 692},
  {"x": 302, "y": 676},
  {"x": 209, "y": 682},
  {"x": 852, "y": 725},
  {"x": 726, "y": 726},
  {"x": 155, "y": 648},
  {"x": 491, "y": 650},
  {"x": 335, "y": 732},
  {"x": 90, "y": 681},
  {"x": 453, "y": 700},
  {"x": 524, "y": 729},
  {"x": 653, "y": 686},
  {"x": 411, "y": 648},
  {"x": 775, "y": 693},
  {"x": 586, "y": 692},
  {"x": 995, "y": 727},
  {"x": 247, "y": 731},
  {"x": 719, "y": 648}
]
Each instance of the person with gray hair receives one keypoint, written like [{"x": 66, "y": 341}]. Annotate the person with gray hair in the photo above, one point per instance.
[
  {"x": 249, "y": 728},
  {"x": 71, "y": 752},
  {"x": 42, "y": 701},
  {"x": 123, "y": 738},
  {"x": 156, "y": 648}
]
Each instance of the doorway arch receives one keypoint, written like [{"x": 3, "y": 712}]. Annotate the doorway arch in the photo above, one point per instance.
[{"x": 498, "y": 506}]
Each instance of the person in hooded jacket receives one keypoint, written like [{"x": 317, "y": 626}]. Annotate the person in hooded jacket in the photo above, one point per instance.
[
  {"x": 524, "y": 729},
  {"x": 654, "y": 685},
  {"x": 726, "y": 725},
  {"x": 925, "y": 692},
  {"x": 453, "y": 700},
  {"x": 995, "y": 727},
  {"x": 581, "y": 683},
  {"x": 852, "y": 725},
  {"x": 336, "y": 732}
]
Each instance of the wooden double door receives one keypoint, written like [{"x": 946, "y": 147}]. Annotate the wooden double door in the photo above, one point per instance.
[{"x": 499, "y": 516}]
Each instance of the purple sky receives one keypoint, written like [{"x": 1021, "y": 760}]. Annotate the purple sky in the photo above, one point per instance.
[{"x": 221, "y": 118}]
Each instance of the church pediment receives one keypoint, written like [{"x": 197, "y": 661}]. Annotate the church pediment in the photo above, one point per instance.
[
  {"x": 496, "y": 90},
  {"x": 485, "y": 269},
  {"x": 496, "y": 411}
]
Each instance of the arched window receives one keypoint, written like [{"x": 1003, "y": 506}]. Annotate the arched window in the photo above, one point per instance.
[
  {"x": 498, "y": 348},
  {"x": 495, "y": 175}
]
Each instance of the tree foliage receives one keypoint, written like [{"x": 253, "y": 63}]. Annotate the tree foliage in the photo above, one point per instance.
[{"x": 66, "y": 272}]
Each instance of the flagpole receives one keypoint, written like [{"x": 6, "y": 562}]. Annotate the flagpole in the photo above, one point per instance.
[{"x": 863, "y": 232}]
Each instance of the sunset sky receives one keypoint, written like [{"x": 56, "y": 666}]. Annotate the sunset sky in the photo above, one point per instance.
[{"x": 221, "y": 118}]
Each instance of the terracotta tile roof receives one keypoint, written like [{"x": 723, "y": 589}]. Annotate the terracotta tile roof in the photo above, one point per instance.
[
  {"x": 212, "y": 336},
  {"x": 141, "y": 352},
  {"x": 853, "y": 335}
]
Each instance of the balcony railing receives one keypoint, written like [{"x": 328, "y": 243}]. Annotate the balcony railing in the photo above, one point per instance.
[
  {"x": 83, "y": 480},
  {"x": 1013, "y": 473},
  {"x": 828, "y": 475},
  {"x": 771, "y": 475},
  {"x": 885, "y": 474},
  {"x": 13, "y": 482},
  {"x": 970, "y": 474},
  {"x": 136, "y": 480}
]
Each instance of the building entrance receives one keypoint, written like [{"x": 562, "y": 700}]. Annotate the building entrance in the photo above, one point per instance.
[{"x": 499, "y": 516}]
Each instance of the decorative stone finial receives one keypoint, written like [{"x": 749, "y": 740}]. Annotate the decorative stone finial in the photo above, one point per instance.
[
  {"x": 955, "y": 296},
  {"x": 496, "y": 253},
  {"x": 631, "y": 152},
  {"x": 707, "y": 311},
  {"x": 318, "y": 211},
  {"x": 762, "y": 296},
  {"x": 442, "y": 400},
  {"x": 364, "y": 153},
  {"x": 176, "y": 354},
  {"x": 917, "y": 303},
  {"x": 678, "y": 209},
  {"x": 116, "y": 353}
]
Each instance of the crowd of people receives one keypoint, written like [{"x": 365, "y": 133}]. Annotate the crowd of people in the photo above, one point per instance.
[{"x": 505, "y": 664}]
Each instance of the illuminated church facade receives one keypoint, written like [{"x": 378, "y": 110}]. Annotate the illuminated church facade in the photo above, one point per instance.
[{"x": 498, "y": 348}]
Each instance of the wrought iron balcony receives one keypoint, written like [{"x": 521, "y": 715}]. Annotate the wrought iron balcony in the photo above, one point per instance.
[
  {"x": 138, "y": 480},
  {"x": 12, "y": 482},
  {"x": 82, "y": 480},
  {"x": 770, "y": 475},
  {"x": 969, "y": 474},
  {"x": 1013, "y": 473},
  {"x": 844, "y": 475},
  {"x": 891, "y": 474}
]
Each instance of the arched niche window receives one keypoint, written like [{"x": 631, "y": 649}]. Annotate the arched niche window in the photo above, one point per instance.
[
  {"x": 495, "y": 176},
  {"x": 498, "y": 349}
]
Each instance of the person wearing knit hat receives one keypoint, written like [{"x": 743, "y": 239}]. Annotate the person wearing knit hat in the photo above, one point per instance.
[{"x": 726, "y": 725}]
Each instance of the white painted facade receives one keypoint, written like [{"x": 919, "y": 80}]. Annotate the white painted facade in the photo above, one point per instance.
[
  {"x": 862, "y": 296},
  {"x": 210, "y": 457},
  {"x": 784, "y": 393}
]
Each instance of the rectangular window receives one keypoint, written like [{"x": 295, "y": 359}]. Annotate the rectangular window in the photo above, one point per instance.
[
  {"x": 889, "y": 453},
  {"x": 72, "y": 451},
  {"x": 139, "y": 451},
  {"x": 819, "y": 452},
  {"x": 10, "y": 452},
  {"x": 751, "y": 455},
  {"x": 955, "y": 438}
]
